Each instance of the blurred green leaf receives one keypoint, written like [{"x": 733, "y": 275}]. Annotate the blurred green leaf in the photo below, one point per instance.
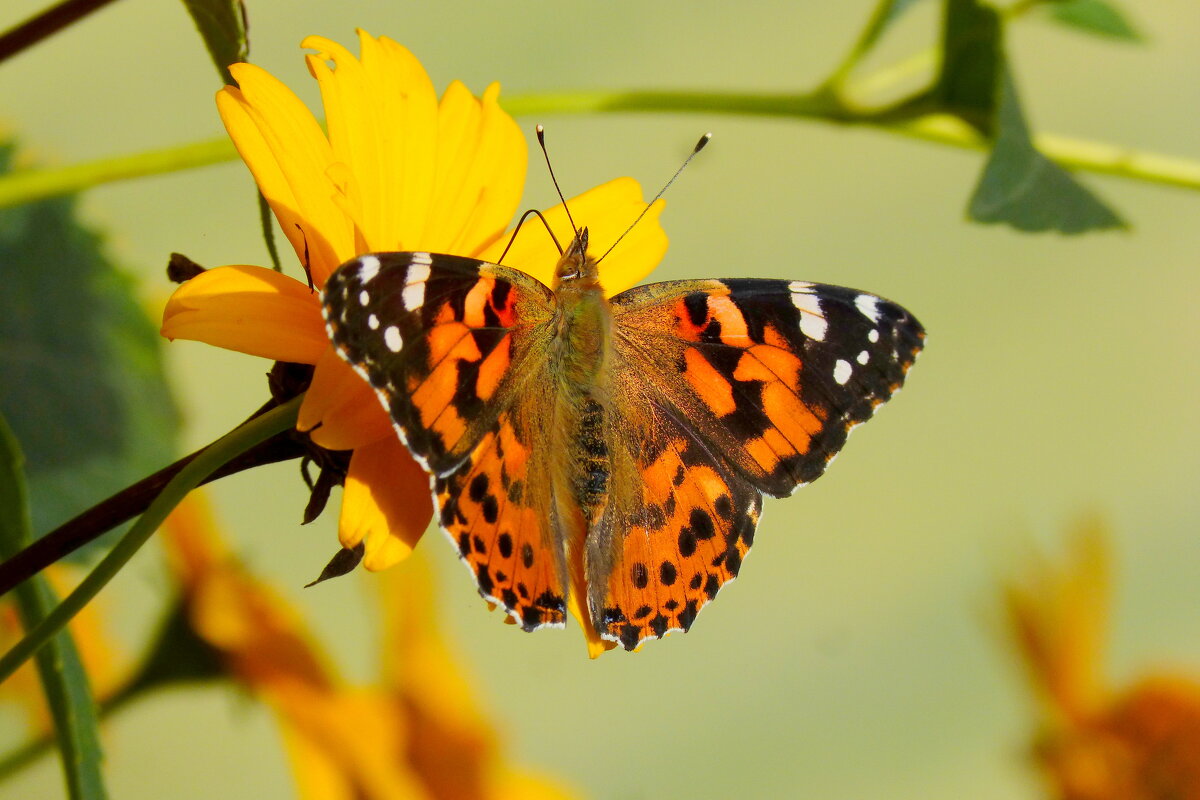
[
  {"x": 64, "y": 681},
  {"x": 1095, "y": 17},
  {"x": 1028, "y": 191},
  {"x": 83, "y": 385},
  {"x": 972, "y": 53},
  {"x": 222, "y": 25}
]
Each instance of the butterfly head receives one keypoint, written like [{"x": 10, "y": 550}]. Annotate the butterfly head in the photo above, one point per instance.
[{"x": 575, "y": 267}]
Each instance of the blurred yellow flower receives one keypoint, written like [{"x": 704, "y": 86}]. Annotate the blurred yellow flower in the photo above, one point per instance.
[
  {"x": 415, "y": 734},
  {"x": 1096, "y": 742},
  {"x": 398, "y": 170}
]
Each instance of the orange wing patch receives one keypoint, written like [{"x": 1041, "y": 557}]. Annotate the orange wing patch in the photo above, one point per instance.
[
  {"x": 678, "y": 542},
  {"x": 494, "y": 511}
]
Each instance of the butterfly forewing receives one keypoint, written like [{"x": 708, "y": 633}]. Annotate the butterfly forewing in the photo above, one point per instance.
[
  {"x": 438, "y": 337},
  {"x": 772, "y": 373}
]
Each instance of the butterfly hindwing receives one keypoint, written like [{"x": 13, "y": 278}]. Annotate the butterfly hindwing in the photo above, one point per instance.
[
  {"x": 495, "y": 508},
  {"x": 772, "y": 373},
  {"x": 669, "y": 540}
]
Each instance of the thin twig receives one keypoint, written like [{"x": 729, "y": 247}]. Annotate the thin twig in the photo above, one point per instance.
[{"x": 46, "y": 24}]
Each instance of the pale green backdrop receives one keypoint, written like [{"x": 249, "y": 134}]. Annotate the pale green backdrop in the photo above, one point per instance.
[{"x": 859, "y": 654}]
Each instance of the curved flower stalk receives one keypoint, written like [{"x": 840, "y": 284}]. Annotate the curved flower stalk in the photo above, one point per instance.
[{"x": 399, "y": 169}]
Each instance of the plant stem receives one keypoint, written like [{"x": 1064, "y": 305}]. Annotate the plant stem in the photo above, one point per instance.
[
  {"x": 49, "y": 22},
  {"x": 1079, "y": 154},
  {"x": 128, "y": 503},
  {"x": 220, "y": 452},
  {"x": 35, "y": 184}
]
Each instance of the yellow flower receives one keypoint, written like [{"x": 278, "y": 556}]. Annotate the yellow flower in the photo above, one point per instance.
[
  {"x": 1096, "y": 742},
  {"x": 415, "y": 734},
  {"x": 398, "y": 170}
]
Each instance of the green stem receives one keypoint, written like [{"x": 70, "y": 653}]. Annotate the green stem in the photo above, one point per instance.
[
  {"x": 209, "y": 460},
  {"x": 866, "y": 40},
  {"x": 29, "y": 185},
  {"x": 1079, "y": 154},
  {"x": 818, "y": 105},
  {"x": 21, "y": 757}
]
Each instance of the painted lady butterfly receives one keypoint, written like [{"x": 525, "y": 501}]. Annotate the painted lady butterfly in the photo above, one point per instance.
[{"x": 616, "y": 448}]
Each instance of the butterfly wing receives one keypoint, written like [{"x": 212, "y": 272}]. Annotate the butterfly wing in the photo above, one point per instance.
[
  {"x": 448, "y": 344},
  {"x": 678, "y": 523},
  {"x": 746, "y": 386},
  {"x": 774, "y": 373}
]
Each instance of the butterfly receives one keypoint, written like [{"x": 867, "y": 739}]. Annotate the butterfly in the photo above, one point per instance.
[{"x": 615, "y": 448}]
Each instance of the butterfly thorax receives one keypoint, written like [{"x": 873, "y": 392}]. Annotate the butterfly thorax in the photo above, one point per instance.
[{"x": 579, "y": 365}]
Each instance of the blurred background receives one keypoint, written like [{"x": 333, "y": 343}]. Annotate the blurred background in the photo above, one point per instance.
[{"x": 862, "y": 651}]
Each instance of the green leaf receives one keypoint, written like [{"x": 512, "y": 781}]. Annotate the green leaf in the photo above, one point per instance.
[
  {"x": 63, "y": 679},
  {"x": 222, "y": 25},
  {"x": 1023, "y": 188},
  {"x": 972, "y": 55},
  {"x": 84, "y": 388},
  {"x": 1096, "y": 17}
]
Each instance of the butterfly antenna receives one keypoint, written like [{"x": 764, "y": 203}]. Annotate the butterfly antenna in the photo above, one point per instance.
[
  {"x": 699, "y": 146},
  {"x": 541, "y": 137},
  {"x": 531, "y": 212}
]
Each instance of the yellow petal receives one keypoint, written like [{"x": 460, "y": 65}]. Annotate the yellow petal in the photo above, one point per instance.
[
  {"x": 606, "y": 211},
  {"x": 381, "y": 112},
  {"x": 481, "y": 162},
  {"x": 360, "y": 734},
  {"x": 251, "y": 310},
  {"x": 527, "y": 785},
  {"x": 340, "y": 410},
  {"x": 292, "y": 163},
  {"x": 416, "y": 659},
  {"x": 386, "y": 504},
  {"x": 1058, "y": 616}
]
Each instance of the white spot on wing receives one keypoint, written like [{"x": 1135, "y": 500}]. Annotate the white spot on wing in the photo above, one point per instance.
[
  {"x": 863, "y": 357},
  {"x": 868, "y": 305},
  {"x": 373, "y": 322},
  {"x": 841, "y": 371},
  {"x": 413, "y": 296},
  {"x": 391, "y": 337},
  {"x": 872, "y": 336},
  {"x": 368, "y": 268},
  {"x": 364, "y": 297},
  {"x": 812, "y": 318}
]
